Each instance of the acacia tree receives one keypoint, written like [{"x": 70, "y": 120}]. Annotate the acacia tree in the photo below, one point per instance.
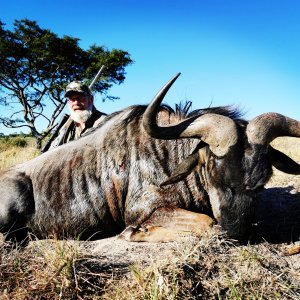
[{"x": 36, "y": 65}]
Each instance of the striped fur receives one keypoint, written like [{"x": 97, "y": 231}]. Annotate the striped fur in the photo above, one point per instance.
[{"x": 96, "y": 186}]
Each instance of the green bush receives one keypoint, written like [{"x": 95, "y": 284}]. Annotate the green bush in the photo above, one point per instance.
[
  {"x": 19, "y": 142},
  {"x": 9, "y": 142}
]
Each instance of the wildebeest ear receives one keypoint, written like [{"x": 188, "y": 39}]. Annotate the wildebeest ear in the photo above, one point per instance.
[
  {"x": 283, "y": 163},
  {"x": 183, "y": 169}
]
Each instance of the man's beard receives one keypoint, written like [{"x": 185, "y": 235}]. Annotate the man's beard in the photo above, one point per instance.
[{"x": 81, "y": 116}]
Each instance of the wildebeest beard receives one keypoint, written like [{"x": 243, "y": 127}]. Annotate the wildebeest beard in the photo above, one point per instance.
[
  {"x": 238, "y": 214},
  {"x": 238, "y": 204}
]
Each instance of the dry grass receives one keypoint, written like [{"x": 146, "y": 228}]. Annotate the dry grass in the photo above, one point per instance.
[
  {"x": 209, "y": 268},
  {"x": 213, "y": 269},
  {"x": 12, "y": 154}
]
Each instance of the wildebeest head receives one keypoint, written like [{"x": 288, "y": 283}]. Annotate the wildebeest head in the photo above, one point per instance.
[{"x": 234, "y": 158}]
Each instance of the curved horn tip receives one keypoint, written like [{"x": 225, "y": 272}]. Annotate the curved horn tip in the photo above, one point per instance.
[
  {"x": 176, "y": 76},
  {"x": 170, "y": 83},
  {"x": 163, "y": 91},
  {"x": 173, "y": 79},
  {"x": 149, "y": 117}
]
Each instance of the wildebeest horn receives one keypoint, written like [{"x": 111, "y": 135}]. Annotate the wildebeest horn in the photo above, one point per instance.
[
  {"x": 185, "y": 167},
  {"x": 263, "y": 129},
  {"x": 149, "y": 117},
  {"x": 282, "y": 162},
  {"x": 218, "y": 131}
]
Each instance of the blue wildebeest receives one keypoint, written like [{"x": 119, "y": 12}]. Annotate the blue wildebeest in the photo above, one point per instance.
[{"x": 150, "y": 171}]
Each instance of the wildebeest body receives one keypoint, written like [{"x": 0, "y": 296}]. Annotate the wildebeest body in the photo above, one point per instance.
[
  {"x": 102, "y": 182},
  {"x": 135, "y": 171}
]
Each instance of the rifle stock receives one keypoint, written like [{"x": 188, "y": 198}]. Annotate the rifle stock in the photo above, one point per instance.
[{"x": 62, "y": 122}]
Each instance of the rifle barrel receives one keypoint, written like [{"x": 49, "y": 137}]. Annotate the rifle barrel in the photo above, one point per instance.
[{"x": 96, "y": 77}]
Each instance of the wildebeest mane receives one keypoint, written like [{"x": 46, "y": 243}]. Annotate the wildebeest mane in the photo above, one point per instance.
[
  {"x": 182, "y": 110},
  {"x": 230, "y": 111}
]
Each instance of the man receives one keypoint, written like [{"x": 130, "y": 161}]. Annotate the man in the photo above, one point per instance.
[{"x": 83, "y": 116}]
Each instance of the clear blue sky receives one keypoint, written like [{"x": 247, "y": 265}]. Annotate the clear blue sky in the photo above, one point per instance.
[{"x": 229, "y": 52}]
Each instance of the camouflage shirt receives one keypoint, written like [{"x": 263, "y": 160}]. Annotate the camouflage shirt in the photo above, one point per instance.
[{"x": 70, "y": 131}]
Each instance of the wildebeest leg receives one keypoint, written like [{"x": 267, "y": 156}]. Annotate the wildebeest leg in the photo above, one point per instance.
[
  {"x": 167, "y": 224},
  {"x": 16, "y": 207}
]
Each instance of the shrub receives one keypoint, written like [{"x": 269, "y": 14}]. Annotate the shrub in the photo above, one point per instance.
[{"x": 9, "y": 142}]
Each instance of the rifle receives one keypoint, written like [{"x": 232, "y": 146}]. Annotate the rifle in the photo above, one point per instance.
[
  {"x": 96, "y": 77},
  {"x": 66, "y": 117},
  {"x": 62, "y": 122}
]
